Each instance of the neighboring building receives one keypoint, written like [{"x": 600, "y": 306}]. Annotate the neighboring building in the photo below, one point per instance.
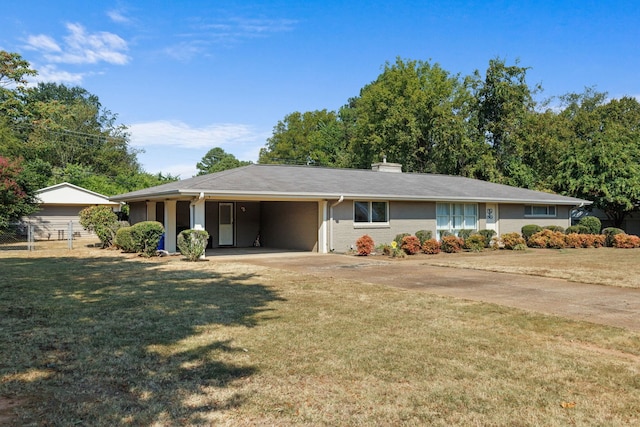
[
  {"x": 324, "y": 209},
  {"x": 60, "y": 204}
]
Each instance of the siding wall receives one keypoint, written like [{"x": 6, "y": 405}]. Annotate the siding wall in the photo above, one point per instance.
[
  {"x": 289, "y": 225},
  {"x": 511, "y": 218}
]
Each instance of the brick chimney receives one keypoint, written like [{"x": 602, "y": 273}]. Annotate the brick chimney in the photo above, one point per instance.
[{"x": 386, "y": 167}]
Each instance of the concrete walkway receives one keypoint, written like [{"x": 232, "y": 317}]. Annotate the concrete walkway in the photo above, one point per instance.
[{"x": 619, "y": 307}]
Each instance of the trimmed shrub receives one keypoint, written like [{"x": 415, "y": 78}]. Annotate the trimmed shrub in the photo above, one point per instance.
[
  {"x": 146, "y": 236},
  {"x": 444, "y": 233},
  {"x": 431, "y": 247},
  {"x": 554, "y": 228},
  {"x": 575, "y": 240},
  {"x": 465, "y": 233},
  {"x": 423, "y": 235},
  {"x": 547, "y": 239},
  {"x": 593, "y": 223},
  {"x": 193, "y": 243},
  {"x": 399, "y": 238},
  {"x": 626, "y": 241},
  {"x": 124, "y": 240},
  {"x": 365, "y": 245},
  {"x": 451, "y": 244},
  {"x": 411, "y": 245},
  {"x": 475, "y": 243},
  {"x": 102, "y": 221},
  {"x": 511, "y": 240},
  {"x": 529, "y": 230},
  {"x": 520, "y": 247},
  {"x": 488, "y": 235},
  {"x": 609, "y": 233},
  {"x": 578, "y": 229}
]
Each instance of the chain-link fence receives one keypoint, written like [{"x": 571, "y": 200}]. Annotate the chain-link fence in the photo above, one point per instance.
[{"x": 30, "y": 235}]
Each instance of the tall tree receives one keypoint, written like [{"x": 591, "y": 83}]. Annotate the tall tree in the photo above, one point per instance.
[
  {"x": 217, "y": 160},
  {"x": 17, "y": 191},
  {"x": 602, "y": 162},
  {"x": 314, "y": 137}
]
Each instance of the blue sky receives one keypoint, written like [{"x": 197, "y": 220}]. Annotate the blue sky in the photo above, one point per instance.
[{"x": 192, "y": 75}]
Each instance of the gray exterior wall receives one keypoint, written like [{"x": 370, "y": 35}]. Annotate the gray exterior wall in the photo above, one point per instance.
[
  {"x": 247, "y": 223},
  {"x": 404, "y": 217},
  {"x": 511, "y": 218},
  {"x": 289, "y": 225},
  {"x": 52, "y": 222},
  {"x": 137, "y": 212}
]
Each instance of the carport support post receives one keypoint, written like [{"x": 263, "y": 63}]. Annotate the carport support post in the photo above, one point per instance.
[{"x": 170, "y": 225}]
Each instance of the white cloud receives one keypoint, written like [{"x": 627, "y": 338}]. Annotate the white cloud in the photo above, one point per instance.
[
  {"x": 50, "y": 73},
  {"x": 81, "y": 47},
  {"x": 118, "y": 16},
  {"x": 178, "y": 134}
]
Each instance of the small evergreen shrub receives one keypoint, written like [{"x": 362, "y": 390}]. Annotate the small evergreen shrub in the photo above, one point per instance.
[
  {"x": 609, "y": 234},
  {"x": 511, "y": 240},
  {"x": 102, "y": 221},
  {"x": 529, "y": 230},
  {"x": 399, "y": 238},
  {"x": 431, "y": 247},
  {"x": 146, "y": 236},
  {"x": 364, "y": 245},
  {"x": 475, "y": 243},
  {"x": 579, "y": 229},
  {"x": 423, "y": 235},
  {"x": 451, "y": 244},
  {"x": 554, "y": 228},
  {"x": 593, "y": 223},
  {"x": 488, "y": 235},
  {"x": 547, "y": 239},
  {"x": 444, "y": 233},
  {"x": 520, "y": 247},
  {"x": 124, "y": 240},
  {"x": 465, "y": 233},
  {"x": 411, "y": 245},
  {"x": 626, "y": 241},
  {"x": 193, "y": 243}
]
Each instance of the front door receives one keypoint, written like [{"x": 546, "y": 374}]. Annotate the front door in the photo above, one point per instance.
[
  {"x": 225, "y": 224},
  {"x": 492, "y": 217}
]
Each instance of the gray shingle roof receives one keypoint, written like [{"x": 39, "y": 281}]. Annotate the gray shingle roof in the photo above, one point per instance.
[{"x": 272, "y": 182}]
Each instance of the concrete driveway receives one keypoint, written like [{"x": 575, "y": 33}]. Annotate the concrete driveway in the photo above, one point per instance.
[{"x": 605, "y": 305}]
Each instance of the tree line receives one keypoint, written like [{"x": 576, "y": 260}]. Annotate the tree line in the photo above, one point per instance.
[
  {"x": 487, "y": 126},
  {"x": 52, "y": 133}
]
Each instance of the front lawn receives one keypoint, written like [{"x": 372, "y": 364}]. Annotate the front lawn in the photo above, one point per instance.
[{"x": 97, "y": 338}]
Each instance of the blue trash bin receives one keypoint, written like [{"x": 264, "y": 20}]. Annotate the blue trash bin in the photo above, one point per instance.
[{"x": 161, "y": 243}]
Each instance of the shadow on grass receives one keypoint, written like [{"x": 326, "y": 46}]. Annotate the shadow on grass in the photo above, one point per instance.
[{"x": 103, "y": 341}]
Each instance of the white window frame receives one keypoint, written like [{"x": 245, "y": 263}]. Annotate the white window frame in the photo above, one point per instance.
[
  {"x": 370, "y": 222},
  {"x": 454, "y": 216},
  {"x": 547, "y": 213}
]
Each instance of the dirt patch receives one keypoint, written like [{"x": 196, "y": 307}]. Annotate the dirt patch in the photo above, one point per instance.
[{"x": 7, "y": 406}]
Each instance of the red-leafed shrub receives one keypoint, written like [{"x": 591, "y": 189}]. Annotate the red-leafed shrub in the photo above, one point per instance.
[
  {"x": 365, "y": 245},
  {"x": 626, "y": 241},
  {"x": 411, "y": 245},
  {"x": 599, "y": 240},
  {"x": 451, "y": 244},
  {"x": 574, "y": 240},
  {"x": 547, "y": 239},
  {"x": 431, "y": 247},
  {"x": 511, "y": 240}
]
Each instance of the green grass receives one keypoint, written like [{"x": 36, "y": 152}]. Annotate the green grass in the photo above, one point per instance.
[{"x": 107, "y": 340}]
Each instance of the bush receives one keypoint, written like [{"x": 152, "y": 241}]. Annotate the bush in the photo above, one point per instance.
[
  {"x": 626, "y": 241},
  {"x": 488, "y": 235},
  {"x": 576, "y": 240},
  {"x": 102, "y": 221},
  {"x": 411, "y": 245},
  {"x": 451, "y": 244},
  {"x": 193, "y": 243},
  {"x": 399, "y": 238},
  {"x": 554, "y": 228},
  {"x": 431, "y": 247},
  {"x": 146, "y": 236},
  {"x": 609, "y": 234},
  {"x": 511, "y": 240},
  {"x": 592, "y": 223},
  {"x": 475, "y": 243},
  {"x": 547, "y": 239},
  {"x": 365, "y": 245},
  {"x": 578, "y": 229},
  {"x": 423, "y": 236},
  {"x": 529, "y": 230},
  {"x": 124, "y": 240},
  {"x": 465, "y": 233},
  {"x": 444, "y": 233}
]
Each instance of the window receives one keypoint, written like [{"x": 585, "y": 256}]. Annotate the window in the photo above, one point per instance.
[
  {"x": 370, "y": 212},
  {"x": 453, "y": 217},
  {"x": 540, "y": 210}
]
